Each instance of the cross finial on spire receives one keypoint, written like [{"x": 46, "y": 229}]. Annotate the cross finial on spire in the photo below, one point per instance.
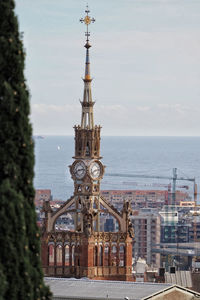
[{"x": 87, "y": 20}]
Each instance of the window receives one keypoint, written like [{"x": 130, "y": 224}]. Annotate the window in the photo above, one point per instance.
[
  {"x": 59, "y": 255},
  {"x": 66, "y": 255},
  {"x": 121, "y": 255},
  {"x": 106, "y": 255},
  {"x": 101, "y": 256},
  {"x": 87, "y": 150},
  {"x": 96, "y": 256},
  {"x": 73, "y": 257},
  {"x": 114, "y": 255},
  {"x": 51, "y": 255}
]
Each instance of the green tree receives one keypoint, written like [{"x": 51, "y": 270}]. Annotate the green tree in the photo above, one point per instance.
[{"x": 21, "y": 275}]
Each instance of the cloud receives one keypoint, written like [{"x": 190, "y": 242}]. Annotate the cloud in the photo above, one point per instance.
[
  {"x": 52, "y": 108},
  {"x": 177, "y": 109},
  {"x": 143, "y": 108},
  {"x": 162, "y": 119}
]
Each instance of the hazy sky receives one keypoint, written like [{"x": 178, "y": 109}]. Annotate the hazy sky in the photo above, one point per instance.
[{"x": 145, "y": 60}]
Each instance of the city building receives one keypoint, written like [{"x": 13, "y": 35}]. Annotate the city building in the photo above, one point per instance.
[
  {"x": 187, "y": 203},
  {"x": 180, "y": 237},
  {"x": 85, "y": 250},
  {"x": 41, "y": 196},
  {"x": 180, "y": 224},
  {"x": 143, "y": 198},
  {"x": 146, "y": 224}
]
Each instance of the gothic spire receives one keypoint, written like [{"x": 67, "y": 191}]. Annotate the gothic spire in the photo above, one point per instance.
[{"x": 87, "y": 119}]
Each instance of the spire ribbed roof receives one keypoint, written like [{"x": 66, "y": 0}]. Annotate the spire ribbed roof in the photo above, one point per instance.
[{"x": 87, "y": 119}]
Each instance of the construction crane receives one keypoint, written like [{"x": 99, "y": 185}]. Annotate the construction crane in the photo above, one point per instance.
[
  {"x": 165, "y": 185},
  {"x": 174, "y": 179}
]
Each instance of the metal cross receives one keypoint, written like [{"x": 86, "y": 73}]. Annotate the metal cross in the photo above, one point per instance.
[{"x": 87, "y": 20}]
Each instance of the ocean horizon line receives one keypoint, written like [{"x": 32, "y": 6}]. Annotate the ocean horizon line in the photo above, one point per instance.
[{"x": 121, "y": 136}]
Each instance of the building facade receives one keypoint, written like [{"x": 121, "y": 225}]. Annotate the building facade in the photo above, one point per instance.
[
  {"x": 146, "y": 224},
  {"x": 142, "y": 198}
]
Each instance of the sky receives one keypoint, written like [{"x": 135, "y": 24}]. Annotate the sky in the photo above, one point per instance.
[{"x": 145, "y": 64}]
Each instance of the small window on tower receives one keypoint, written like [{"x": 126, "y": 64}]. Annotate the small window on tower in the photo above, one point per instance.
[
  {"x": 79, "y": 149},
  {"x": 87, "y": 153},
  {"x": 95, "y": 150},
  {"x": 87, "y": 188},
  {"x": 95, "y": 188}
]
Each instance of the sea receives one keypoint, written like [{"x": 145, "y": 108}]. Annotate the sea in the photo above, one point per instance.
[{"x": 152, "y": 156}]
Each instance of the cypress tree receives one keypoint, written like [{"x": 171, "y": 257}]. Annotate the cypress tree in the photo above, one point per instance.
[{"x": 20, "y": 267}]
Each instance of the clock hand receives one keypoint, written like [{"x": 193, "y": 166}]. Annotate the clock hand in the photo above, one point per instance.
[
  {"x": 79, "y": 170},
  {"x": 95, "y": 171}
]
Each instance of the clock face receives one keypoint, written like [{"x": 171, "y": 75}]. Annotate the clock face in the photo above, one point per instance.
[
  {"x": 79, "y": 170},
  {"x": 95, "y": 170}
]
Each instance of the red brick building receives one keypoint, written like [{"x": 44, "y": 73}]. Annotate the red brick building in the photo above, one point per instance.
[{"x": 86, "y": 251}]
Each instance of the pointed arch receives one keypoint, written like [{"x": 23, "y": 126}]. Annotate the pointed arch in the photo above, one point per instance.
[
  {"x": 112, "y": 211},
  {"x": 62, "y": 210}
]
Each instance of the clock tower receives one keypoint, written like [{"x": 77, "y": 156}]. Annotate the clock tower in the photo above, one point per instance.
[
  {"x": 87, "y": 251},
  {"x": 87, "y": 169}
]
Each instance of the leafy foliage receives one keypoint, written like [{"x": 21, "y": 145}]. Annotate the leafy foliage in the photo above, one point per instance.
[{"x": 20, "y": 268}]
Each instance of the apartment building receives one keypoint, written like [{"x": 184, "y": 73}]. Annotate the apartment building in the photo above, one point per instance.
[
  {"x": 146, "y": 223},
  {"x": 143, "y": 198}
]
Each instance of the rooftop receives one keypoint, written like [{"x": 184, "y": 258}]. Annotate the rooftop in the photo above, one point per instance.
[{"x": 101, "y": 289}]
